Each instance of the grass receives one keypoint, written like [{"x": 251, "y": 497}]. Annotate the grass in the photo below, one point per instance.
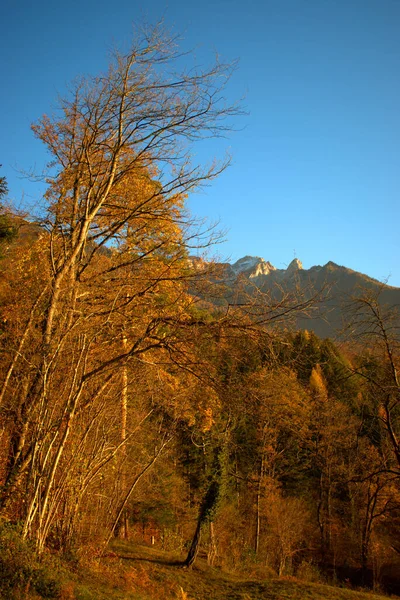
[
  {"x": 133, "y": 572},
  {"x": 166, "y": 580}
]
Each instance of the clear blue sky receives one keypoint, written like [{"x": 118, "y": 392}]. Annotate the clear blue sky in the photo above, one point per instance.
[{"x": 316, "y": 163}]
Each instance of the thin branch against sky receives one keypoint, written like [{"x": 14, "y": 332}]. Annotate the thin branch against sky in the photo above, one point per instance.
[{"x": 315, "y": 162}]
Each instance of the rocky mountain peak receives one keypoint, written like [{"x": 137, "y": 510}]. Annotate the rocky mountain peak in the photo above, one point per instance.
[
  {"x": 253, "y": 266},
  {"x": 295, "y": 265}
]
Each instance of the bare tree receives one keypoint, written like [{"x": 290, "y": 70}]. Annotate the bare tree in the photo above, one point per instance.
[{"x": 376, "y": 327}]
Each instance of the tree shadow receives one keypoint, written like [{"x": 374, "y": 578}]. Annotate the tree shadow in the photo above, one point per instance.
[{"x": 157, "y": 561}]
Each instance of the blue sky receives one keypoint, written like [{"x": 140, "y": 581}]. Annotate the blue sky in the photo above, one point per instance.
[{"x": 316, "y": 161}]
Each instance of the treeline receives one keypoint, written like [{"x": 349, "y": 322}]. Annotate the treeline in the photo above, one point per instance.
[
  {"x": 130, "y": 406},
  {"x": 303, "y": 459}
]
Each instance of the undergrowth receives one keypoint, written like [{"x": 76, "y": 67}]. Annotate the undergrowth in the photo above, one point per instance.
[
  {"x": 132, "y": 572},
  {"x": 22, "y": 573}
]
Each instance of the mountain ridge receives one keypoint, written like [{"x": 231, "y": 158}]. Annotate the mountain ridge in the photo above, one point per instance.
[
  {"x": 337, "y": 285},
  {"x": 255, "y": 266}
]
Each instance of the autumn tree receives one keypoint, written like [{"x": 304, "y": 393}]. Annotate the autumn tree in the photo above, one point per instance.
[
  {"x": 112, "y": 284},
  {"x": 7, "y": 229},
  {"x": 3, "y": 186}
]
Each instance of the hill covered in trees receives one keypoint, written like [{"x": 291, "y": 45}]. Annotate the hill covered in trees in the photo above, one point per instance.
[{"x": 141, "y": 398}]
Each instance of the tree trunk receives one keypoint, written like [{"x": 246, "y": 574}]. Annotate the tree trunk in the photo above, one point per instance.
[
  {"x": 212, "y": 551},
  {"x": 258, "y": 498},
  {"x": 194, "y": 546},
  {"x": 123, "y": 525},
  {"x": 206, "y": 511},
  {"x": 130, "y": 491}
]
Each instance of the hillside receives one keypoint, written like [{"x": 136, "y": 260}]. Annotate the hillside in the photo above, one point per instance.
[
  {"x": 164, "y": 579},
  {"x": 136, "y": 572},
  {"x": 333, "y": 285}
]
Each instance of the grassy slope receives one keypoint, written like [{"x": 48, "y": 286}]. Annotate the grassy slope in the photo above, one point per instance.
[{"x": 140, "y": 573}]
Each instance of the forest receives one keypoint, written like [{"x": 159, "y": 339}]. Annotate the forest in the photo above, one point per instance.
[{"x": 137, "y": 402}]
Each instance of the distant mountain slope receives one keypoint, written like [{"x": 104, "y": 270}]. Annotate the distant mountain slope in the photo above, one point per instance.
[
  {"x": 235, "y": 282},
  {"x": 338, "y": 286}
]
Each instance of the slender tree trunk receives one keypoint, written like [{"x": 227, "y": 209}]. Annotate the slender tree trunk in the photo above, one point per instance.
[
  {"x": 131, "y": 489},
  {"x": 24, "y": 336},
  {"x": 206, "y": 511},
  {"x": 212, "y": 552},
  {"x": 258, "y": 498},
  {"x": 194, "y": 546},
  {"x": 124, "y": 525},
  {"x": 321, "y": 516}
]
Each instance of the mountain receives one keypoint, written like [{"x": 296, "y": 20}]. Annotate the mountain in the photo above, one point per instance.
[{"x": 336, "y": 285}]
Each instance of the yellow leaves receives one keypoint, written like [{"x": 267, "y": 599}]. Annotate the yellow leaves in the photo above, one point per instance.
[
  {"x": 184, "y": 397},
  {"x": 170, "y": 382},
  {"x": 208, "y": 420},
  {"x": 182, "y": 595},
  {"x": 318, "y": 384}
]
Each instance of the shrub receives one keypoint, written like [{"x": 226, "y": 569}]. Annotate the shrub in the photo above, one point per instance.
[
  {"x": 309, "y": 572},
  {"x": 21, "y": 570},
  {"x": 16, "y": 561}
]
